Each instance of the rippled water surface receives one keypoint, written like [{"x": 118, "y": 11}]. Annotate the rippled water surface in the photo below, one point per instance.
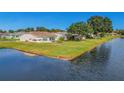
[{"x": 106, "y": 62}]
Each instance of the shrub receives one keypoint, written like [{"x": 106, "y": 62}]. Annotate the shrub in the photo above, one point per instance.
[{"x": 60, "y": 40}]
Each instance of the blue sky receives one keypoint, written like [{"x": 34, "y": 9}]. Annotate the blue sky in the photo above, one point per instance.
[{"x": 60, "y": 20}]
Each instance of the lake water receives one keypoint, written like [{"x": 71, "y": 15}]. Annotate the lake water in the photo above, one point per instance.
[{"x": 106, "y": 62}]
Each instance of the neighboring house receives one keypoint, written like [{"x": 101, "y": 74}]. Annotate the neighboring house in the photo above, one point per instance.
[
  {"x": 76, "y": 37},
  {"x": 1, "y": 35},
  {"x": 8, "y": 35},
  {"x": 41, "y": 36},
  {"x": 35, "y": 36},
  {"x": 113, "y": 34},
  {"x": 61, "y": 35},
  {"x": 15, "y": 35}
]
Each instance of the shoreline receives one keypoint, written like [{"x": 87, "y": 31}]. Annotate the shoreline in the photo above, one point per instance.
[
  {"x": 91, "y": 48},
  {"x": 65, "y": 58},
  {"x": 87, "y": 51}
]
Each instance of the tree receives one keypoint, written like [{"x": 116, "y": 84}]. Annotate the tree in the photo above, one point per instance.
[
  {"x": 120, "y": 31},
  {"x": 11, "y": 31},
  {"x": 56, "y": 30},
  {"x": 2, "y": 31},
  {"x": 89, "y": 31},
  {"x": 29, "y": 29},
  {"x": 20, "y": 30},
  {"x": 79, "y": 28},
  {"x": 41, "y": 29},
  {"x": 96, "y": 22},
  {"x": 107, "y": 24},
  {"x": 100, "y": 24}
]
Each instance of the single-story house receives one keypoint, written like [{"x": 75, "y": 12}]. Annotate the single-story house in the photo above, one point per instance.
[
  {"x": 8, "y": 35},
  {"x": 4, "y": 35},
  {"x": 16, "y": 35},
  {"x": 42, "y": 36},
  {"x": 61, "y": 35},
  {"x": 1, "y": 34}
]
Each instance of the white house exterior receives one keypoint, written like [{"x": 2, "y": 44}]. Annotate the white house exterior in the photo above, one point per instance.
[
  {"x": 15, "y": 35},
  {"x": 1, "y": 35},
  {"x": 35, "y": 36},
  {"x": 32, "y": 38},
  {"x": 61, "y": 35},
  {"x": 26, "y": 37},
  {"x": 8, "y": 35},
  {"x": 42, "y": 36}
]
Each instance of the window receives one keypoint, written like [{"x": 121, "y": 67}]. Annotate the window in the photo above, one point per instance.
[
  {"x": 52, "y": 38},
  {"x": 39, "y": 39},
  {"x": 44, "y": 39},
  {"x": 34, "y": 40}
]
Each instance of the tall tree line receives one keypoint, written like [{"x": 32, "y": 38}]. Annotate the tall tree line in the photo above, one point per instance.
[{"x": 31, "y": 29}]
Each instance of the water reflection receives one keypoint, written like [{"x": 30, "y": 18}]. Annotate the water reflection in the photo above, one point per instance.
[
  {"x": 92, "y": 64},
  {"x": 100, "y": 54}
]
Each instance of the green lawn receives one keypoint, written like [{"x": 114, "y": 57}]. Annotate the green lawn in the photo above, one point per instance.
[{"x": 66, "y": 50}]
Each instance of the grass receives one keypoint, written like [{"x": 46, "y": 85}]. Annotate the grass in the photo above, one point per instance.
[
  {"x": 121, "y": 36},
  {"x": 66, "y": 50},
  {"x": 5, "y": 39}
]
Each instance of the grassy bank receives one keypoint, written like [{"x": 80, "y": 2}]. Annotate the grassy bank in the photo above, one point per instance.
[
  {"x": 5, "y": 39},
  {"x": 121, "y": 36},
  {"x": 67, "y": 50}
]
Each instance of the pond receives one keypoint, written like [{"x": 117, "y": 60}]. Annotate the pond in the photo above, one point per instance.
[{"x": 106, "y": 62}]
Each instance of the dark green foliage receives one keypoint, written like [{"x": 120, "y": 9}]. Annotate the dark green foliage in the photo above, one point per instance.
[
  {"x": 100, "y": 24},
  {"x": 19, "y": 30},
  {"x": 107, "y": 25},
  {"x": 60, "y": 40},
  {"x": 41, "y": 29},
  {"x": 11, "y": 31},
  {"x": 96, "y": 22},
  {"x": 95, "y": 26},
  {"x": 30, "y": 29},
  {"x": 102, "y": 34},
  {"x": 56, "y": 30},
  {"x": 77, "y": 28},
  {"x": 2, "y": 31},
  {"x": 121, "y": 32}
]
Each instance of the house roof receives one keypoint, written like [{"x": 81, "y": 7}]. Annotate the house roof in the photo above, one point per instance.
[
  {"x": 8, "y": 34},
  {"x": 42, "y": 34},
  {"x": 17, "y": 33},
  {"x": 35, "y": 33},
  {"x": 3, "y": 33}
]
